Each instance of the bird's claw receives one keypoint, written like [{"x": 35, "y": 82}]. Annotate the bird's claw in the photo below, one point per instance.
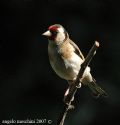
[{"x": 78, "y": 86}]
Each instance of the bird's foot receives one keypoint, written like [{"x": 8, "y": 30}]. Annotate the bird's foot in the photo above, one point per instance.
[
  {"x": 78, "y": 86},
  {"x": 70, "y": 106}
]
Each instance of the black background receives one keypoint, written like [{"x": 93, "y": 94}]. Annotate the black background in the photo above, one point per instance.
[{"x": 29, "y": 88}]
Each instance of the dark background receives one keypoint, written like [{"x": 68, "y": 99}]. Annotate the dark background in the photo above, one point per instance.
[{"x": 29, "y": 88}]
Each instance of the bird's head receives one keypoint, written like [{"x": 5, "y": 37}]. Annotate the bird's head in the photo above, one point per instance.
[{"x": 56, "y": 34}]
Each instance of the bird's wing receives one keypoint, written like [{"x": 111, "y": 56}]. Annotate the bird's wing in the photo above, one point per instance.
[{"x": 77, "y": 50}]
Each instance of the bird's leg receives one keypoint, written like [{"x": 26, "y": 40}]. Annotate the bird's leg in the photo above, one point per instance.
[{"x": 67, "y": 95}]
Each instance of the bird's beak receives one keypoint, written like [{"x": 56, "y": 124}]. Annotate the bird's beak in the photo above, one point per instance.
[{"x": 47, "y": 34}]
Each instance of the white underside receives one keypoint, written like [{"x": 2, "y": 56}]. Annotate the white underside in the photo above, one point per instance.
[{"x": 68, "y": 68}]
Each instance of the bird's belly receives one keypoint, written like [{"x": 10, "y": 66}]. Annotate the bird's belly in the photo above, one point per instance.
[
  {"x": 66, "y": 68},
  {"x": 63, "y": 72}
]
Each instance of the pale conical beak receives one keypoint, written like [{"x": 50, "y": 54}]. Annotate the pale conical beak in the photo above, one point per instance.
[{"x": 47, "y": 34}]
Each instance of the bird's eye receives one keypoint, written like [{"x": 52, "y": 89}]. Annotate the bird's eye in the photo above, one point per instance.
[{"x": 53, "y": 32}]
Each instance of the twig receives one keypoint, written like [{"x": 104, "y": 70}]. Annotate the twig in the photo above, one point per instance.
[{"x": 77, "y": 83}]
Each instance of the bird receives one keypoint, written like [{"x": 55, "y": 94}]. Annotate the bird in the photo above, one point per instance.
[{"x": 66, "y": 58}]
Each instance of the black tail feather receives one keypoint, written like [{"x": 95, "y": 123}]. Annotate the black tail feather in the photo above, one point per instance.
[{"x": 97, "y": 90}]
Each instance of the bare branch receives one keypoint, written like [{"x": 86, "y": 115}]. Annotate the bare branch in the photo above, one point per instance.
[{"x": 77, "y": 83}]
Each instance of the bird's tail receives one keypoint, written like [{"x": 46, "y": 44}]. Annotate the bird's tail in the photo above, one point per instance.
[{"x": 97, "y": 90}]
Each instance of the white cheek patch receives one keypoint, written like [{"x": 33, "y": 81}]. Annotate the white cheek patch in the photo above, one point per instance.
[{"x": 60, "y": 35}]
